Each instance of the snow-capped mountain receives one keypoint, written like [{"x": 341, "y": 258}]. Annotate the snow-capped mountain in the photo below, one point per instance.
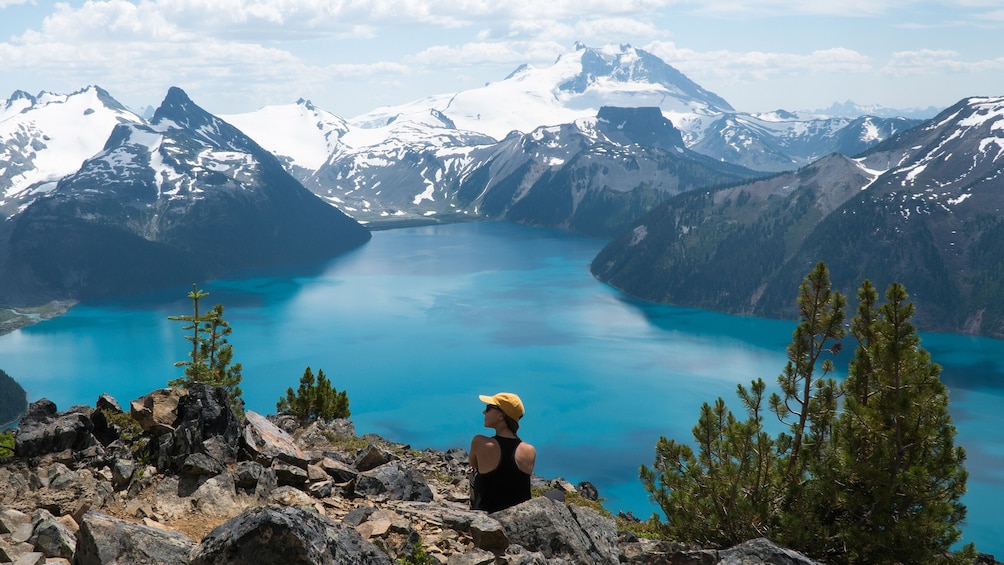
[
  {"x": 300, "y": 134},
  {"x": 46, "y": 137},
  {"x": 406, "y": 162},
  {"x": 923, "y": 208},
  {"x": 407, "y": 167},
  {"x": 184, "y": 197},
  {"x": 783, "y": 141},
  {"x": 576, "y": 86}
]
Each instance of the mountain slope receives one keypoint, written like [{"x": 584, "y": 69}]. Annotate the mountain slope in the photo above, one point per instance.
[
  {"x": 185, "y": 197},
  {"x": 783, "y": 141},
  {"x": 45, "y": 137},
  {"x": 591, "y": 177},
  {"x": 923, "y": 208}
]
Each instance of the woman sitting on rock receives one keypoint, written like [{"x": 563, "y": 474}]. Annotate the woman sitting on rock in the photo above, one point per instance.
[{"x": 502, "y": 464}]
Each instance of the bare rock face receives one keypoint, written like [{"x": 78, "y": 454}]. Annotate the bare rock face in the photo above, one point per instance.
[
  {"x": 103, "y": 540},
  {"x": 42, "y": 430},
  {"x": 762, "y": 551},
  {"x": 206, "y": 424},
  {"x": 552, "y": 528},
  {"x": 275, "y": 535}
]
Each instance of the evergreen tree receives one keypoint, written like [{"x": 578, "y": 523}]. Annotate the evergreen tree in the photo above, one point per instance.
[
  {"x": 808, "y": 399},
  {"x": 211, "y": 358},
  {"x": 724, "y": 494},
  {"x": 876, "y": 480},
  {"x": 314, "y": 400},
  {"x": 903, "y": 475}
]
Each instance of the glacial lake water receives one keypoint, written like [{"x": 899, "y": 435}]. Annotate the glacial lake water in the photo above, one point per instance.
[{"x": 419, "y": 321}]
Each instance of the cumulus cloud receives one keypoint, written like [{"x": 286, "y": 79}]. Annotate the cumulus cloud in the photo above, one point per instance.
[
  {"x": 935, "y": 62},
  {"x": 490, "y": 52},
  {"x": 737, "y": 67}
]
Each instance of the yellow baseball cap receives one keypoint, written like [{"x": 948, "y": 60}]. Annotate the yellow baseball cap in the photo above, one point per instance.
[{"x": 508, "y": 403}]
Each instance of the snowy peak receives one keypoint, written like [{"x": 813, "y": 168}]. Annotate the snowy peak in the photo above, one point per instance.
[
  {"x": 177, "y": 111},
  {"x": 299, "y": 134},
  {"x": 576, "y": 86},
  {"x": 625, "y": 64},
  {"x": 45, "y": 137}
]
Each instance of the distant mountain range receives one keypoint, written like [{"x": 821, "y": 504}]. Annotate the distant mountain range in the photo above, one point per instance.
[
  {"x": 922, "y": 208},
  {"x": 706, "y": 206}
]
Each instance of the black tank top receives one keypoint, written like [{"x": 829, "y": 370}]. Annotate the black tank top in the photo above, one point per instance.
[{"x": 504, "y": 486}]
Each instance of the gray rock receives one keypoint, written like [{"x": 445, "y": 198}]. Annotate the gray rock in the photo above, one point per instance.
[
  {"x": 201, "y": 464},
  {"x": 550, "y": 527},
  {"x": 50, "y": 536},
  {"x": 338, "y": 470},
  {"x": 107, "y": 402},
  {"x": 266, "y": 442},
  {"x": 373, "y": 457},
  {"x": 104, "y": 540},
  {"x": 290, "y": 475},
  {"x": 394, "y": 481},
  {"x": 285, "y": 536},
  {"x": 762, "y": 551},
  {"x": 11, "y": 520},
  {"x": 473, "y": 557},
  {"x": 122, "y": 471},
  {"x": 42, "y": 431},
  {"x": 488, "y": 534},
  {"x": 33, "y": 558}
]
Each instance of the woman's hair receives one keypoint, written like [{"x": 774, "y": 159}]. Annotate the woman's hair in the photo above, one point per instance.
[{"x": 513, "y": 424}]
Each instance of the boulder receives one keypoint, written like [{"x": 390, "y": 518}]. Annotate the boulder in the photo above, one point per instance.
[
  {"x": 557, "y": 530},
  {"x": 50, "y": 536},
  {"x": 762, "y": 551},
  {"x": 254, "y": 479},
  {"x": 42, "y": 431},
  {"x": 157, "y": 412},
  {"x": 205, "y": 418},
  {"x": 11, "y": 520},
  {"x": 285, "y": 536},
  {"x": 266, "y": 442},
  {"x": 104, "y": 540},
  {"x": 373, "y": 457},
  {"x": 337, "y": 470},
  {"x": 393, "y": 481},
  {"x": 488, "y": 534}
]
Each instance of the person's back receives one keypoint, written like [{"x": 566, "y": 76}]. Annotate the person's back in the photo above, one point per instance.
[
  {"x": 507, "y": 485},
  {"x": 503, "y": 464}
]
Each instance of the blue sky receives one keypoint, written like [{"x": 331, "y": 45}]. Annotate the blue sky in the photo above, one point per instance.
[{"x": 350, "y": 56}]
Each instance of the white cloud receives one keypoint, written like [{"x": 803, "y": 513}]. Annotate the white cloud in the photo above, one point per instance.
[
  {"x": 937, "y": 62},
  {"x": 509, "y": 52},
  {"x": 753, "y": 66}
]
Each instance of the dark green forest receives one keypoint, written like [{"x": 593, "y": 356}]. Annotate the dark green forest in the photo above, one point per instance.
[{"x": 13, "y": 399}]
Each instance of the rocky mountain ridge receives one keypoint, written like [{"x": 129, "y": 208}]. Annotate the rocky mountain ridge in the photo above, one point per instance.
[
  {"x": 184, "y": 197},
  {"x": 180, "y": 479},
  {"x": 922, "y": 208}
]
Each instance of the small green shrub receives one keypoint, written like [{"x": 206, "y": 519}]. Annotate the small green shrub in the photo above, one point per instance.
[
  {"x": 314, "y": 400},
  {"x": 418, "y": 556},
  {"x": 6, "y": 446}
]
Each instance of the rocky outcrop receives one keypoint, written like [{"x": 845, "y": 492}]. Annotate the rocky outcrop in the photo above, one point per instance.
[
  {"x": 104, "y": 540},
  {"x": 181, "y": 480},
  {"x": 276, "y": 535}
]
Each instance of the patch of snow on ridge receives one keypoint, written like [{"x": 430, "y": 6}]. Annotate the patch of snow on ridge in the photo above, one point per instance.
[{"x": 637, "y": 235}]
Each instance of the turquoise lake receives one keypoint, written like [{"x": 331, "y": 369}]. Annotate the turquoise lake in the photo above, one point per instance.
[{"x": 419, "y": 321}]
